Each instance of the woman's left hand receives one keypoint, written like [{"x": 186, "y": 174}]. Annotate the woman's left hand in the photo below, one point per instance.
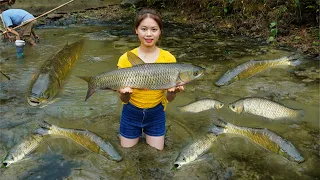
[{"x": 176, "y": 89}]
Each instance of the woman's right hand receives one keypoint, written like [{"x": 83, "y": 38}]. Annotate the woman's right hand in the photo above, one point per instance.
[
  {"x": 126, "y": 90},
  {"x": 125, "y": 94}
]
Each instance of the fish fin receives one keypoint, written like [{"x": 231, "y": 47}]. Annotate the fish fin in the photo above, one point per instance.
[
  {"x": 89, "y": 93},
  {"x": 90, "y": 90},
  {"x": 134, "y": 59},
  {"x": 86, "y": 78},
  {"x": 217, "y": 130}
]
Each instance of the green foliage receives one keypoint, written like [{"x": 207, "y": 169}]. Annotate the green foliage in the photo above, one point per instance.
[
  {"x": 273, "y": 31},
  {"x": 315, "y": 43},
  {"x": 133, "y": 8}
]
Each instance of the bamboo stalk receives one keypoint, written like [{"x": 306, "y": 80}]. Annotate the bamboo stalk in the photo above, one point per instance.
[{"x": 40, "y": 15}]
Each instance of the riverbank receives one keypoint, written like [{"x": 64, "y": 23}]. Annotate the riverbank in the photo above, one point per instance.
[{"x": 305, "y": 39}]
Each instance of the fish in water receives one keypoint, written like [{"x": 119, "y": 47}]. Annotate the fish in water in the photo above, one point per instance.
[
  {"x": 144, "y": 76},
  {"x": 85, "y": 138},
  {"x": 266, "y": 108},
  {"x": 52, "y": 75},
  {"x": 262, "y": 136},
  {"x": 201, "y": 105},
  {"x": 253, "y": 67},
  {"x": 191, "y": 152},
  {"x": 19, "y": 151}
]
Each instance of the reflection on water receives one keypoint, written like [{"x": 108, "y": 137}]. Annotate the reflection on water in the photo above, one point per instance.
[{"x": 231, "y": 156}]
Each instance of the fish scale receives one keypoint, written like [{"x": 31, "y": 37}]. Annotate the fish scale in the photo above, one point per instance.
[
  {"x": 151, "y": 76},
  {"x": 22, "y": 149},
  {"x": 253, "y": 67},
  {"x": 263, "y": 137},
  {"x": 195, "y": 149},
  {"x": 51, "y": 76},
  {"x": 85, "y": 138},
  {"x": 266, "y": 108}
]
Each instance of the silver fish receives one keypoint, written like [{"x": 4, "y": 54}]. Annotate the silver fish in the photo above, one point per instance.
[
  {"x": 263, "y": 137},
  {"x": 144, "y": 76},
  {"x": 19, "y": 151},
  {"x": 265, "y": 108},
  {"x": 85, "y": 138},
  {"x": 252, "y": 67},
  {"x": 194, "y": 150},
  {"x": 201, "y": 105}
]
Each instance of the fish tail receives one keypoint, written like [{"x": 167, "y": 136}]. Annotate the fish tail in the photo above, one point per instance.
[
  {"x": 90, "y": 89},
  {"x": 217, "y": 130},
  {"x": 300, "y": 114}
]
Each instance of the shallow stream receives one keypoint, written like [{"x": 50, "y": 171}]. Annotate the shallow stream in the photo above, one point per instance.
[{"x": 231, "y": 157}]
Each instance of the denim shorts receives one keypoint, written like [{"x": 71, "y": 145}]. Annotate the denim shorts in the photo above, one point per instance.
[{"x": 134, "y": 120}]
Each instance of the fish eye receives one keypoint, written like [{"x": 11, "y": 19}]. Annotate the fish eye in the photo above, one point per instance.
[
  {"x": 233, "y": 106},
  {"x": 195, "y": 73}
]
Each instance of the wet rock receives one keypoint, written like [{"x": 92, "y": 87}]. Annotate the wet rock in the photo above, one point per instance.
[
  {"x": 54, "y": 16},
  {"x": 309, "y": 75}
]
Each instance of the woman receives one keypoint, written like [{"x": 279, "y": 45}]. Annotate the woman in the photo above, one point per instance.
[{"x": 143, "y": 110}]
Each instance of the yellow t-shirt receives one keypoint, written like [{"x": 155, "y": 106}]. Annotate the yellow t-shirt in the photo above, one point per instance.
[{"x": 147, "y": 98}]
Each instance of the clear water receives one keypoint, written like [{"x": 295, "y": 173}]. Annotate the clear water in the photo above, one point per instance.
[{"x": 231, "y": 156}]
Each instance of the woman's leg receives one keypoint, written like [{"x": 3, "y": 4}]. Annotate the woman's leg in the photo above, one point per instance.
[
  {"x": 125, "y": 142},
  {"x": 155, "y": 141}
]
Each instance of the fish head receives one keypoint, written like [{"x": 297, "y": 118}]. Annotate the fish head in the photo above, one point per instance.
[
  {"x": 219, "y": 105},
  {"x": 189, "y": 73},
  {"x": 181, "y": 160},
  {"x": 9, "y": 159},
  {"x": 290, "y": 152},
  {"x": 107, "y": 150},
  {"x": 42, "y": 90},
  {"x": 236, "y": 107}
]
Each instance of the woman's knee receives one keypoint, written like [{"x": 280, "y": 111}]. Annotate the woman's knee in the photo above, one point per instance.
[
  {"x": 155, "y": 141},
  {"x": 127, "y": 143}
]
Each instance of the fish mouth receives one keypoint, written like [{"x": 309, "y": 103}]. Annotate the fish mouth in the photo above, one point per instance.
[
  {"x": 32, "y": 101},
  {"x": 177, "y": 166},
  {"x": 4, "y": 165}
]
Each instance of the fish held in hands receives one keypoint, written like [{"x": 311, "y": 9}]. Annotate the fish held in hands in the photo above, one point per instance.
[{"x": 152, "y": 76}]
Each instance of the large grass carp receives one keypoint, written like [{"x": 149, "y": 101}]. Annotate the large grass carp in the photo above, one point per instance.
[
  {"x": 85, "y": 138},
  {"x": 201, "y": 105},
  {"x": 144, "y": 76},
  {"x": 266, "y": 108},
  {"x": 194, "y": 150},
  {"x": 253, "y": 67},
  {"x": 263, "y": 137},
  {"x": 19, "y": 151},
  {"x": 52, "y": 75}
]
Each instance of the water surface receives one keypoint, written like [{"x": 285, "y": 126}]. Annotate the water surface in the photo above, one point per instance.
[{"x": 231, "y": 156}]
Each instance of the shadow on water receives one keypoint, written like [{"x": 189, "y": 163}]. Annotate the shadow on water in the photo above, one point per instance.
[{"x": 231, "y": 156}]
